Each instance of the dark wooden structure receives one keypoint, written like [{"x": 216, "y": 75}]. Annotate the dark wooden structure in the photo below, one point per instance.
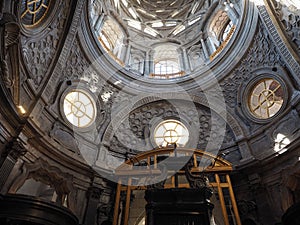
[
  {"x": 292, "y": 215},
  {"x": 203, "y": 163},
  {"x": 27, "y": 210},
  {"x": 178, "y": 206}
]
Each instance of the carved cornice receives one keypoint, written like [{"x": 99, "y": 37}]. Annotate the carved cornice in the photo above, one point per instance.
[
  {"x": 9, "y": 58},
  {"x": 42, "y": 171},
  {"x": 61, "y": 63},
  {"x": 15, "y": 149},
  {"x": 94, "y": 193},
  {"x": 279, "y": 39}
]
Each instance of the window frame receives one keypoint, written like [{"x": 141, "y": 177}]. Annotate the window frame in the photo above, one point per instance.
[{"x": 94, "y": 102}]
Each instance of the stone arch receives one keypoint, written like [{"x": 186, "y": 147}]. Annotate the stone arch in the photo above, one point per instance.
[
  {"x": 43, "y": 172},
  {"x": 290, "y": 186}
]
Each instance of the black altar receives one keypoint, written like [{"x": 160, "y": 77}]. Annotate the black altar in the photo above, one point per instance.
[
  {"x": 27, "y": 210},
  {"x": 178, "y": 206},
  {"x": 292, "y": 215}
]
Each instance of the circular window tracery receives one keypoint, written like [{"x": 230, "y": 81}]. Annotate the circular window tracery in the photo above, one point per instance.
[
  {"x": 171, "y": 132},
  {"x": 79, "y": 108},
  {"x": 266, "y": 98},
  {"x": 34, "y": 11}
]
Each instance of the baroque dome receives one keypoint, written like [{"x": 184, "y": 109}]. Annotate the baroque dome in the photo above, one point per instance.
[
  {"x": 168, "y": 41},
  {"x": 90, "y": 87}
]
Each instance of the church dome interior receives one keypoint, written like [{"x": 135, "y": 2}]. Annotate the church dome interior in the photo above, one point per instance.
[
  {"x": 164, "y": 39},
  {"x": 139, "y": 112}
]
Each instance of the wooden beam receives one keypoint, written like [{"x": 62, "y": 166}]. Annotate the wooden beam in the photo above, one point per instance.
[
  {"x": 234, "y": 205},
  {"x": 127, "y": 204},
  {"x": 117, "y": 204},
  {"x": 222, "y": 201}
]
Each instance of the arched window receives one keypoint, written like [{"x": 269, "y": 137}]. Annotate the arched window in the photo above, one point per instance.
[
  {"x": 220, "y": 31},
  {"x": 111, "y": 38},
  {"x": 226, "y": 32},
  {"x": 166, "y": 66},
  {"x": 166, "y": 62}
]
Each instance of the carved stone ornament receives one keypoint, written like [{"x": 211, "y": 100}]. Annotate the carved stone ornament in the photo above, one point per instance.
[
  {"x": 10, "y": 29},
  {"x": 248, "y": 211},
  {"x": 195, "y": 181},
  {"x": 64, "y": 137},
  {"x": 289, "y": 15},
  {"x": 38, "y": 52},
  {"x": 104, "y": 213},
  {"x": 262, "y": 53},
  {"x": 15, "y": 149},
  {"x": 94, "y": 192},
  {"x": 134, "y": 134},
  {"x": 43, "y": 172}
]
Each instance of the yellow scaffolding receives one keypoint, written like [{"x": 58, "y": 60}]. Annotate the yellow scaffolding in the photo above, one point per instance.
[{"x": 213, "y": 165}]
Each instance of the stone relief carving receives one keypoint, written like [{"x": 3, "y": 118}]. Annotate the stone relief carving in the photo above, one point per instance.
[
  {"x": 39, "y": 53},
  {"x": 42, "y": 171},
  {"x": 290, "y": 185},
  {"x": 248, "y": 211},
  {"x": 195, "y": 181},
  {"x": 14, "y": 149},
  {"x": 63, "y": 137},
  {"x": 196, "y": 56},
  {"x": 289, "y": 15},
  {"x": 262, "y": 54},
  {"x": 120, "y": 99},
  {"x": 9, "y": 48},
  {"x": 94, "y": 192},
  {"x": 289, "y": 126},
  {"x": 105, "y": 208},
  {"x": 133, "y": 135},
  {"x": 76, "y": 64},
  {"x": 78, "y": 68},
  {"x": 262, "y": 146}
]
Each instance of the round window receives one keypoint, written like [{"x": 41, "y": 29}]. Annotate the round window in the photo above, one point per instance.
[
  {"x": 79, "y": 108},
  {"x": 171, "y": 132},
  {"x": 266, "y": 98},
  {"x": 34, "y": 11}
]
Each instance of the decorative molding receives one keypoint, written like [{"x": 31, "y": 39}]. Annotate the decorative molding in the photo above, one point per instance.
[
  {"x": 15, "y": 149},
  {"x": 289, "y": 16},
  {"x": 38, "y": 53},
  {"x": 123, "y": 113},
  {"x": 61, "y": 63},
  {"x": 10, "y": 29},
  {"x": 279, "y": 40},
  {"x": 42, "y": 171},
  {"x": 94, "y": 193},
  {"x": 135, "y": 133},
  {"x": 64, "y": 137}
]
